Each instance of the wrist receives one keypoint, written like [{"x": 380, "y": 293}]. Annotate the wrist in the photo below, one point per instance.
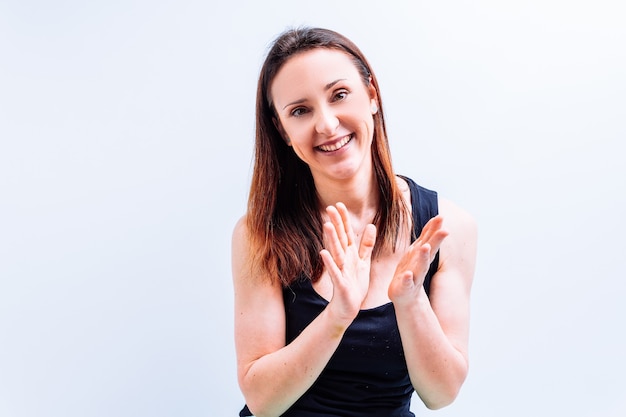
[
  {"x": 415, "y": 305},
  {"x": 337, "y": 323}
]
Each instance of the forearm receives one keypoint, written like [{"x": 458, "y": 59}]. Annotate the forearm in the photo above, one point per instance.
[
  {"x": 272, "y": 383},
  {"x": 437, "y": 367}
]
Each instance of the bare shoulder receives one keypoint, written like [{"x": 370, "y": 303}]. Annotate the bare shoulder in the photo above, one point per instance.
[
  {"x": 252, "y": 286},
  {"x": 249, "y": 279},
  {"x": 241, "y": 235},
  {"x": 240, "y": 249},
  {"x": 240, "y": 241},
  {"x": 244, "y": 265},
  {"x": 460, "y": 223},
  {"x": 458, "y": 250}
]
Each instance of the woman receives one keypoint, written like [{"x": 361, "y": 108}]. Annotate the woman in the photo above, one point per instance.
[{"x": 351, "y": 290}]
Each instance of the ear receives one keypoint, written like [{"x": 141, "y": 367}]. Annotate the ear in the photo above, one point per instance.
[
  {"x": 373, "y": 97},
  {"x": 282, "y": 132}
]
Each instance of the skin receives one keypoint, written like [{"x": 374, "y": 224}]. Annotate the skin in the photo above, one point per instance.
[{"x": 321, "y": 100}]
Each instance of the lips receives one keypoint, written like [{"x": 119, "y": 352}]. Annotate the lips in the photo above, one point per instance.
[{"x": 336, "y": 145}]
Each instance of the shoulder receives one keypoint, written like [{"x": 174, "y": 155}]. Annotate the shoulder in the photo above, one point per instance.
[
  {"x": 456, "y": 216},
  {"x": 247, "y": 266},
  {"x": 458, "y": 250},
  {"x": 240, "y": 241},
  {"x": 249, "y": 279},
  {"x": 241, "y": 250},
  {"x": 240, "y": 231}
]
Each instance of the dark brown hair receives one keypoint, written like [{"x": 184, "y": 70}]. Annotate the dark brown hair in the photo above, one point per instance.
[{"x": 283, "y": 217}]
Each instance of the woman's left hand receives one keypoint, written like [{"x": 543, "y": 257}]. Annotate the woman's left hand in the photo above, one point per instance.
[{"x": 408, "y": 279}]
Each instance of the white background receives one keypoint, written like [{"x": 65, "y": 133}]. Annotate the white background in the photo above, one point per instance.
[{"x": 126, "y": 132}]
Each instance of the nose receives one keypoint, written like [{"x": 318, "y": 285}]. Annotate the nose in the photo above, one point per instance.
[{"x": 326, "y": 122}]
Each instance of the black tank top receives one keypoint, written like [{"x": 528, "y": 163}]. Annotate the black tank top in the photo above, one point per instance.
[{"x": 367, "y": 375}]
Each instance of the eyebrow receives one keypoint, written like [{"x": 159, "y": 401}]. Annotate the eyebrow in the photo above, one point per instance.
[{"x": 326, "y": 88}]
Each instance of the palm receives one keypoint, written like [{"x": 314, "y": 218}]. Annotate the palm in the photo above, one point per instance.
[
  {"x": 347, "y": 263},
  {"x": 412, "y": 268}
]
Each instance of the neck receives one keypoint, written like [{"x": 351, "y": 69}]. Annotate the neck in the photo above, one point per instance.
[{"x": 360, "y": 194}]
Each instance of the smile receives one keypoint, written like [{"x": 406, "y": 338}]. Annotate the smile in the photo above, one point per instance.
[{"x": 337, "y": 145}]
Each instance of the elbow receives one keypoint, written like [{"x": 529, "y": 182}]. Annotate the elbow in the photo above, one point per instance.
[
  {"x": 258, "y": 407},
  {"x": 262, "y": 397},
  {"x": 442, "y": 400},
  {"x": 259, "y": 412},
  {"x": 447, "y": 391},
  {"x": 255, "y": 403},
  {"x": 258, "y": 403}
]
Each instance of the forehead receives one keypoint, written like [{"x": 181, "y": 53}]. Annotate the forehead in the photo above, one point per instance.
[{"x": 311, "y": 71}]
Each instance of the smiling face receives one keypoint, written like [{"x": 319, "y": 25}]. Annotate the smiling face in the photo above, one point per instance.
[{"x": 324, "y": 112}]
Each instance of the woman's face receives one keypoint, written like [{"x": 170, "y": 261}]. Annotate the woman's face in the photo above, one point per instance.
[{"x": 325, "y": 112}]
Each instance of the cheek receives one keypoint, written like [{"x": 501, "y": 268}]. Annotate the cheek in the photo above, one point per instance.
[{"x": 297, "y": 131}]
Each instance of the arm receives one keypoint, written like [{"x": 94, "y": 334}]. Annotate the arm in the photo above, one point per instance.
[
  {"x": 272, "y": 375},
  {"x": 435, "y": 331}
]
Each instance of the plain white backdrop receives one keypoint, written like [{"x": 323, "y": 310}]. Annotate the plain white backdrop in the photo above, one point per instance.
[{"x": 126, "y": 131}]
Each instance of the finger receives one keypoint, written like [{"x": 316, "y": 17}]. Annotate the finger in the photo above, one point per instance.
[
  {"x": 417, "y": 260},
  {"x": 432, "y": 233},
  {"x": 367, "y": 242},
  {"x": 422, "y": 261},
  {"x": 333, "y": 244},
  {"x": 431, "y": 227},
  {"x": 339, "y": 224},
  {"x": 435, "y": 235},
  {"x": 436, "y": 240},
  {"x": 345, "y": 218},
  {"x": 333, "y": 270}
]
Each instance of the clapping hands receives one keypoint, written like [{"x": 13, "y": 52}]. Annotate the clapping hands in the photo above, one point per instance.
[{"x": 348, "y": 262}]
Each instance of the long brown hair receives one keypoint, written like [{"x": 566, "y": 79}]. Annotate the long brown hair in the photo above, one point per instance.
[{"x": 283, "y": 217}]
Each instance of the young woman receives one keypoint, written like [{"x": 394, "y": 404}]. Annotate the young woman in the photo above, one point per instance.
[{"x": 352, "y": 284}]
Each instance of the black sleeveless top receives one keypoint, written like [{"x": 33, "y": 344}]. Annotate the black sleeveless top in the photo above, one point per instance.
[{"x": 367, "y": 375}]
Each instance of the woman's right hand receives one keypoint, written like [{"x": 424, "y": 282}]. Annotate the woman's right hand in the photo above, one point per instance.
[{"x": 347, "y": 263}]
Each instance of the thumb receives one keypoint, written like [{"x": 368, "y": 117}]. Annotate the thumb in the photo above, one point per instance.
[
  {"x": 367, "y": 242},
  {"x": 423, "y": 260},
  {"x": 406, "y": 279}
]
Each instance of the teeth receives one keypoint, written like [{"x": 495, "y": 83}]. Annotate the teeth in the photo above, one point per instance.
[{"x": 338, "y": 145}]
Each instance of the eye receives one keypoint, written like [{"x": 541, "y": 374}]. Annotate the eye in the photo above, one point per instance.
[
  {"x": 340, "y": 95},
  {"x": 298, "y": 111}
]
